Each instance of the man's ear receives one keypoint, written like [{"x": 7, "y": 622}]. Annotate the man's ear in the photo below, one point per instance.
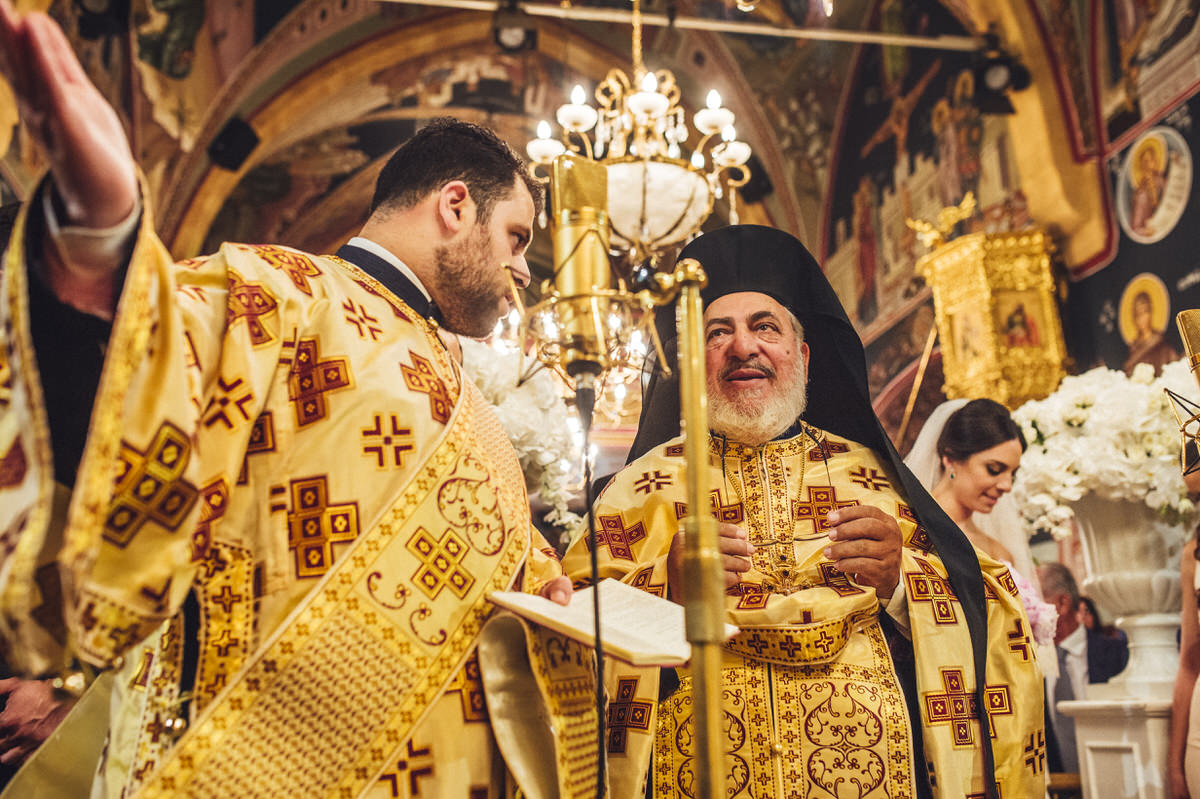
[{"x": 455, "y": 208}]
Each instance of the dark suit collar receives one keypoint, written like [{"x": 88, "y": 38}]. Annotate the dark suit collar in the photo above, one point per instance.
[{"x": 392, "y": 279}]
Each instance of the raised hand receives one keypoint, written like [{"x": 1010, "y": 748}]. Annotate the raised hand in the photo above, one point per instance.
[
  {"x": 866, "y": 544},
  {"x": 93, "y": 170},
  {"x": 89, "y": 155}
]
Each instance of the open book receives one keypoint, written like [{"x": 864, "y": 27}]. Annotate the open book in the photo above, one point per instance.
[{"x": 635, "y": 626}]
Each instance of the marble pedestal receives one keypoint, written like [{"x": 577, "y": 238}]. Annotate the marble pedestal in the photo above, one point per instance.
[{"x": 1122, "y": 746}]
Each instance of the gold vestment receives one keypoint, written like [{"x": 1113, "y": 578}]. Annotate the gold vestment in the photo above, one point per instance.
[
  {"x": 279, "y": 436},
  {"x": 812, "y": 703}
]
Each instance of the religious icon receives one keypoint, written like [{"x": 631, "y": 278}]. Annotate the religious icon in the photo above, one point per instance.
[
  {"x": 1154, "y": 185},
  {"x": 1143, "y": 314},
  {"x": 1020, "y": 329},
  {"x": 968, "y": 338},
  {"x": 1018, "y": 318},
  {"x": 868, "y": 250}
]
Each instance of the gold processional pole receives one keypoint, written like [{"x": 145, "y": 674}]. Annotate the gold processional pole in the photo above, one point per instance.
[
  {"x": 704, "y": 595},
  {"x": 704, "y": 584},
  {"x": 576, "y": 337}
]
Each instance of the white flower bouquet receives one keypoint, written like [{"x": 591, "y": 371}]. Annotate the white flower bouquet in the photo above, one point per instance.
[
  {"x": 1106, "y": 433},
  {"x": 535, "y": 417}
]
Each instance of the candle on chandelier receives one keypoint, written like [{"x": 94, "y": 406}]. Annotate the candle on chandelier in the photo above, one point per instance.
[
  {"x": 713, "y": 118},
  {"x": 544, "y": 149},
  {"x": 576, "y": 116},
  {"x": 648, "y": 103},
  {"x": 730, "y": 152}
]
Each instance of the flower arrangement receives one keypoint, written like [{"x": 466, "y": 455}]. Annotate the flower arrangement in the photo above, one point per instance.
[
  {"x": 536, "y": 419},
  {"x": 1106, "y": 433}
]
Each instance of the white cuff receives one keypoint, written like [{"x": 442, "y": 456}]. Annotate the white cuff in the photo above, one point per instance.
[
  {"x": 76, "y": 243},
  {"x": 897, "y": 608}
]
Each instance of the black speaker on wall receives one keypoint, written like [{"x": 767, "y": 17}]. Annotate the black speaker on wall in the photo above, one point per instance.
[{"x": 233, "y": 144}]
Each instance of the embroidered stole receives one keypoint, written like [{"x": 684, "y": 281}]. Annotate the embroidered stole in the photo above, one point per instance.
[{"x": 334, "y": 694}]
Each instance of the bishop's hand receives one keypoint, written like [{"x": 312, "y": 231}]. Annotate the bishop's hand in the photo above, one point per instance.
[
  {"x": 865, "y": 543},
  {"x": 735, "y": 549}
]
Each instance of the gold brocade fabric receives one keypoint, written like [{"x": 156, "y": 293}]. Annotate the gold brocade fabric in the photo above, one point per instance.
[
  {"x": 279, "y": 436},
  {"x": 812, "y": 703}
]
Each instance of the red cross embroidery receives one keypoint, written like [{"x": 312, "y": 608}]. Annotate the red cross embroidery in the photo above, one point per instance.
[
  {"x": 381, "y": 443},
  {"x": 648, "y": 482},
  {"x": 871, "y": 480},
  {"x": 920, "y": 537},
  {"x": 262, "y": 439},
  {"x": 826, "y": 451},
  {"x": 821, "y": 500},
  {"x": 469, "y": 687},
  {"x": 315, "y": 525},
  {"x": 612, "y": 533},
  {"x": 955, "y": 706},
  {"x": 151, "y": 486},
  {"x": 1007, "y": 582},
  {"x": 311, "y": 379},
  {"x": 363, "y": 322},
  {"x": 298, "y": 267},
  {"x": 252, "y": 302},
  {"x": 929, "y": 586},
  {"x": 219, "y": 407},
  {"x": 642, "y": 580},
  {"x": 836, "y": 580},
  {"x": 731, "y": 513},
  {"x": 420, "y": 377},
  {"x": 441, "y": 565},
  {"x": 1018, "y": 640},
  {"x": 626, "y": 713},
  {"x": 1035, "y": 752},
  {"x": 414, "y": 771},
  {"x": 226, "y": 599}
]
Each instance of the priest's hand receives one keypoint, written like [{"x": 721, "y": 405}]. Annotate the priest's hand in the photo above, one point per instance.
[
  {"x": 558, "y": 590},
  {"x": 93, "y": 170},
  {"x": 866, "y": 544},
  {"x": 32, "y": 709},
  {"x": 735, "y": 548}
]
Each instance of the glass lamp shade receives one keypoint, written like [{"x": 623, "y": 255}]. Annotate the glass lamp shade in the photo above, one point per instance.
[{"x": 653, "y": 204}]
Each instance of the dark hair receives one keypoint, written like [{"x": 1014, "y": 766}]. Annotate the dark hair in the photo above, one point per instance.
[
  {"x": 1101, "y": 627},
  {"x": 980, "y": 424},
  {"x": 449, "y": 149}
]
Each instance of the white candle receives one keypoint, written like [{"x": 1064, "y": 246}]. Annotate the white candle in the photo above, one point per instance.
[
  {"x": 732, "y": 153},
  {"x": 544, "y": 149}
]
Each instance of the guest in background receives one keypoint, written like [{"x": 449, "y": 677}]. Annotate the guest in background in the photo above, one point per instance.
[
  {"x": 1070, "y": 641},
  {"x": 1107, "y": 647}
]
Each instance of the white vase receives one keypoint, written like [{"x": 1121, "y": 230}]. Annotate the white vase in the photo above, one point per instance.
[{"x": 1132, "y": 557}]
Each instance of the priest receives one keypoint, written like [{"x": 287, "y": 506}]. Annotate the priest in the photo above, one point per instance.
[
  {"x": 278, "y": 530},
  {"x": 874, "y": 653}
]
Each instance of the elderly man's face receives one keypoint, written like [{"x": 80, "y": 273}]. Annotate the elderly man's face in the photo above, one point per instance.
[{"x": 757, "y": 368}]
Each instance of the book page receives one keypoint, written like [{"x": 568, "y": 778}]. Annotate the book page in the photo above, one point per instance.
[{"x": 635, "y": 626}]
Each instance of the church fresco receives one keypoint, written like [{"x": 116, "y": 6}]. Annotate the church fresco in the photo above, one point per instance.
[
  {"x": 1123, "y": 314},
  {"x": 273, "y": 201},
  {"x": 1065, "y": 25},
  {"x": 1149, "y": 59},
  {"x": 911, "y": 141}
]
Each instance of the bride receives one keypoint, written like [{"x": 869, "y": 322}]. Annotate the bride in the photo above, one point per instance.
[{"x": 966, "y": 456}]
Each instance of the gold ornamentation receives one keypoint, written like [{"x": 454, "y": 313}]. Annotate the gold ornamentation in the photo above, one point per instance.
[
  {"x": 997, "y": 316},
  {"x": 934, "y": 235}
]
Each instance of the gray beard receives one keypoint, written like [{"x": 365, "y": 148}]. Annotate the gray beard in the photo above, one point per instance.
[{"x": 756, "y": 421}]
